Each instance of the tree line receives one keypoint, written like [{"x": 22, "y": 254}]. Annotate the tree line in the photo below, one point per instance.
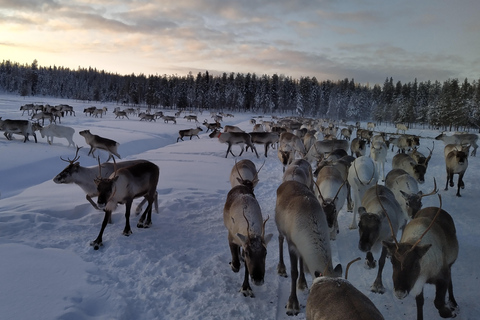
[{"x": 451, "y": 105}]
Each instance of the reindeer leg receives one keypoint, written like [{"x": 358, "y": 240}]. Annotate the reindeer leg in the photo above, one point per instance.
[
  {"x": 97, "y": 243},
  {"x": 420, "y": 301},
  {"x": 235, "y": 251},
  {"x": 440, "y": 293},
  {"x": 302, "y": 282},
  {"x": 377, "y": 286},
  {"x": 281, "y": 269},
  {"x": 451, "y": 299},
  {"x": 146, "y": 214},
  {"x": 246, "y": 289},
  {"x": 293, "y": 307},
  {"x": 127, "y": 231}
]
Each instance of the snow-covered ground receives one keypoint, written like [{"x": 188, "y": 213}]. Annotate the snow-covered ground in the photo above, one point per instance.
[{"x": 179, "y": 268}]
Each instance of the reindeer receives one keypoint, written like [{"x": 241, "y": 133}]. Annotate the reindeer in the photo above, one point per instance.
[
  {"x": 167, "y": 119},
  {"x": 425, "y": 254},
  {"x": 320, "y": 148},
  {"x": 301, "y": 220},
  {"x": 405, "y": 189},
  {"x": 55, "y": 130},
  {"x": 122, "y": 186},
  {"x": 229, "y": 128},
  {"x": 265, "y": 138},
  {"x": 96, "y": 142},
  {"x": 331, "y": 192},
  {"x": 456, "y": 162},
  {"x": 358, "y": 147},
  {"x": 242, "y": 217},
  {"x": 23, "y": 127},
  {"x": 42, "y": 116},
  {"x": 234, "y": 138},
  {"x": 299, "y": 170},
  {"x": 401, "y": 127},
  {"x": 421, "y": 158},
  {"x": 289, "y": 143},
  {"x": 460, "y": 139},
  {"x": 212, "y": 126},
  {"x": 450, "y": 147},
  {"x": 120, "y": 114},
  {"x": 189, "y": 133},
  {"x": 378, "y": 153},
  {"x": 380, "y": 217},
  {"x": 406, "y": 162},
  {"x": 85, "y": 177},
  {"x": 346, "y": 133},
  {"x": 191, "y": 117},
  {"x": 337, "y": 299},
  {"x": 361, "y": 176},
  {"x": 244, "y": 172}
]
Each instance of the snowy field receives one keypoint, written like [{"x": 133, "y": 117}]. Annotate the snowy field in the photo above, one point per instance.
[{"x": 179, "y": 268}]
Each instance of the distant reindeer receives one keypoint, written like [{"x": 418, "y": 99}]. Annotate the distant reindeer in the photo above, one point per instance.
[
  {"x": 189, "y": 133},
  {"x": 234, "y": 138},
  {"x": 456, "y": 162},
  {"x": 96, "y": 142}
]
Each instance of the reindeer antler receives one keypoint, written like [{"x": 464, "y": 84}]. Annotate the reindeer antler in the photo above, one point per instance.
[
  {"x": 429, "y": 227},
  {"x": 248, "y": 224},
  {"x": 263, "y": 226},
  {"x": 348, "y": 266},
  {"x": 343, "y": 183},
  {"x": 435, "y": 190},
  {"x": 75, "y": 158}
]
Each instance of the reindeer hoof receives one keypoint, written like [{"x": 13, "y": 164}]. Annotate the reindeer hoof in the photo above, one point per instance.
[
  {"x": 234, "y": 268},
  {"x": 127, "y": 232},
  {"x": 96, "y": 245},
  {"x": 247, "y": 292}
]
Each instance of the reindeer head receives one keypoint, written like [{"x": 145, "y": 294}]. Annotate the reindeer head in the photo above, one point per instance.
[
  {"x": 255, "y": 253},
  {"x": 105, "y": 186},
  {"x": 72, "y": 168},
  {"x": 405, "y": 258}
]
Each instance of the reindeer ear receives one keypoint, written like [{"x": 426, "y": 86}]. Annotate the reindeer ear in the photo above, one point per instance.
[
  {"x": 423, "y": 249},
  {"x": 267, "y": 238},
  {"x": 390, "y": 246},
  {"x": 242, "y": 238},
  {"x": 362, "y": 211}
]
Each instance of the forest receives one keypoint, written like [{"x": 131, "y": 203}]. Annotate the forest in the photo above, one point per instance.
[{"x": 451, "y": 105}]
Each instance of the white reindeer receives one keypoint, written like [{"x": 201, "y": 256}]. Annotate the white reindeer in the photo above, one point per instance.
[
  {"x": 55, "y": 130},
  {"x": 378, "y": 153},
  {"x": 361, "y": 176}
]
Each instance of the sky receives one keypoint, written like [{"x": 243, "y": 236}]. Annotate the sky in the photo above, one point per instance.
[{"x": 364, "y": 40}]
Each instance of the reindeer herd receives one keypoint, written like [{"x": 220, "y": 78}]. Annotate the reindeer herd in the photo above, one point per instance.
[
  {"x": 321, "y": 175},
  {"x": 306, "y": 211}
]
